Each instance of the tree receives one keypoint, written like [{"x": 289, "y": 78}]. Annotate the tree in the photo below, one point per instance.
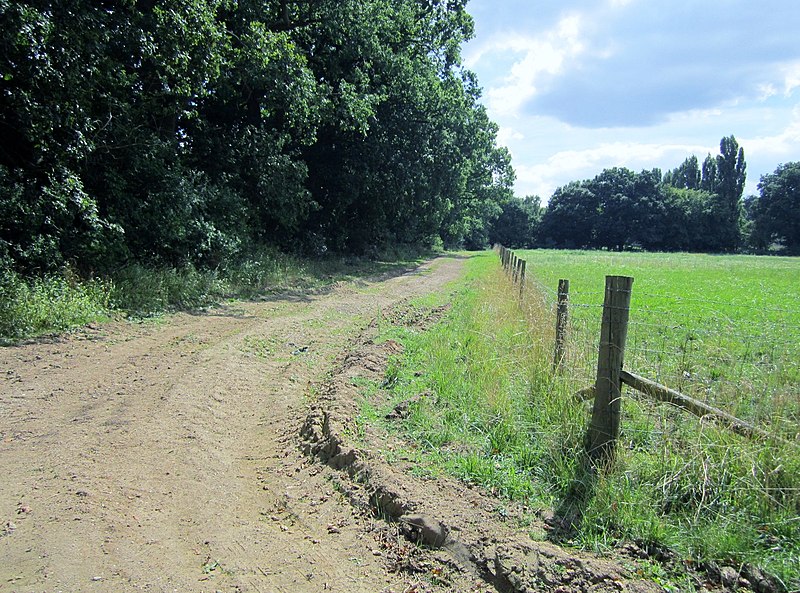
[
  {"x": 571, "y": 217},
  {"x": 518, "y": 224},
  {"x": 731, "y": 176},
  {"x": 687, "y": 176},
  {"x": 776, "y": 212},
  {"x": 708, "y": 181},
  {"x": 617, "y": 210},
  {"x": 47, "y": 129},
  {"x": 724, "y": 176},
  {"x": 690, "y": 221},
  {"x": 180, "y": 132}
]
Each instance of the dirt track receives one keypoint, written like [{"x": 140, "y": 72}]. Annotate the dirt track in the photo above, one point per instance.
[
  {"x": 164, "y": 457},
  {"x": 210, "y": 453}
]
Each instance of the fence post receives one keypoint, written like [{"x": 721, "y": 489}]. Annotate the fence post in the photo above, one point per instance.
[
  {"x": 562, "y": 317},
  {"x": 604, "y": 427},
  {"x": 516, "y": 269},
  {"x": 523, "y": 266}
]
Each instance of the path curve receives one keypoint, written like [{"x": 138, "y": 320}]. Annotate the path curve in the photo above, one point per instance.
[{"x": 163, "y": 457}]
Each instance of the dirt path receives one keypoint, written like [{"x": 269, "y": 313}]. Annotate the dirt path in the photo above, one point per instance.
[
  {"x": 165, "y": 457},
  {"x": 217, "y": 452}
]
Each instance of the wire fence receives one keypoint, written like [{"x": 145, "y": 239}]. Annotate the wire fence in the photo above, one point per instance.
[
  {"x": 725, "y": 481},
  {"x": 743, "y": 358}
]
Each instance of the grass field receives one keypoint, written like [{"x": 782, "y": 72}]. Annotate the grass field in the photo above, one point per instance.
[
  {"x": 723, "y": 329},
  {"x": 486, "y": 405}
]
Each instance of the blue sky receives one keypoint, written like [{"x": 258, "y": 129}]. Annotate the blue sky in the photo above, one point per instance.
[{"x": 577, "y": 86}]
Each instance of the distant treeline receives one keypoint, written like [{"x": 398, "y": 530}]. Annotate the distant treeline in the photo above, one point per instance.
[
  {"x": 188, "y": 132},
  {"x": 691, "y": 208}
]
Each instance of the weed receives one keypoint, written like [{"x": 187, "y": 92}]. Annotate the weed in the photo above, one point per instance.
[
  {"x": 50, "y": 304},
  {"x": 261, "y": 347}
]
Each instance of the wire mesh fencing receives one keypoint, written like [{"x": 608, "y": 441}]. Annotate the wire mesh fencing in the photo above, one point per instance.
[
  {"x": 706, "y": 444},
  {"x": 740, "y": 357}
]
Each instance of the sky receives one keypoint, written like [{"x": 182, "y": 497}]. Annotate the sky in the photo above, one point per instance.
[{"x": 577, "y": 86}]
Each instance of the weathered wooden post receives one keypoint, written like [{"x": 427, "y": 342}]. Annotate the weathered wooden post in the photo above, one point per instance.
[
  {"x": 516, "y": 269},
  {"x": 523, "y": 266},
  {"x": 604, "y": 427},
  {"x": 562, "y": 317}
]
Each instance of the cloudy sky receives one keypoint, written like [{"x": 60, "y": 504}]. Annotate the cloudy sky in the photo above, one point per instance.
[{"x": 577, "y": 86}]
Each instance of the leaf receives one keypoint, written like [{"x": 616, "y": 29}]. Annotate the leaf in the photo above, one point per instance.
[{"x": 210, "y": 566}]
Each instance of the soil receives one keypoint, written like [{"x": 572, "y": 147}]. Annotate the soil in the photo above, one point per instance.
[{"x": 217, "y": 451}]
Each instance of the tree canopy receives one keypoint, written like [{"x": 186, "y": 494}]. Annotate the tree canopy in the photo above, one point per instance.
[
  {"x": 775, "y": 213},
  {"x": 174, "y": 132},
  {"x": 690, "y": 208}
]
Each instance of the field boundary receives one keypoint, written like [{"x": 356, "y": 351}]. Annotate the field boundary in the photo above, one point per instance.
[{"x": 606, "y": 392}]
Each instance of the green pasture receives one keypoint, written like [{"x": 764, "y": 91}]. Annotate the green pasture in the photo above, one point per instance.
[{"x": 722, "y": 329}]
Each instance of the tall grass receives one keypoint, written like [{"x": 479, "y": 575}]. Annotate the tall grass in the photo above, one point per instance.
[
  {"x": 55, "y": 303},
  {"x": 487, "y": 407},
  {"x": 49, "y": 304}
]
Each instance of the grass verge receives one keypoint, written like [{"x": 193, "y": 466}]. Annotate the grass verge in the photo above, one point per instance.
[
  {"x": 483, "y": 404},
  {"x": 55, "y": 303}
]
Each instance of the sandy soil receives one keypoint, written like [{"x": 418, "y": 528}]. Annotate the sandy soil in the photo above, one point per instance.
[{"x": 209, "y": 452}]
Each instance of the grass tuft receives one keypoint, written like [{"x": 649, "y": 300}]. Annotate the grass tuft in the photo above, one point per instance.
[{"x": 50, "y": 304}]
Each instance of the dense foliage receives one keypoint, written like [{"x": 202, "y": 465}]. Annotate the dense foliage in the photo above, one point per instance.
[
  {"x": 688, "y": 209},
  {"x": 695, "y": 207},
  {"x": 775, "y": 214},
  {"x": 186, "y": 132}
]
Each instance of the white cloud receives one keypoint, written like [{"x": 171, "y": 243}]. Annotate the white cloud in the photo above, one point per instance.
[
  {"x": 637, "y": 84},
  {"x": 542, "y": 179},
  {"x": 507, "y": 135},
  {"x": 792, "y": 79},
  {"x": 767, "y": 90},
  {"x": 542, "y": 56},
  {"x": 786, "y": 144}
]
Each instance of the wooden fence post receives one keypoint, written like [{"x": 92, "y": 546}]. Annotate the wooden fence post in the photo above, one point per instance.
[
  {"x": 523, "y": 266},
  {"x": 562, "y": 317},
  {"x": 604, "y": 427}
]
